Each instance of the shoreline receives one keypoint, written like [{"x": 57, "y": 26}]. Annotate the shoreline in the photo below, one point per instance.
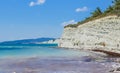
[
  {"x": 108, "y": 53},
  {"x": 99, "y": 54}
]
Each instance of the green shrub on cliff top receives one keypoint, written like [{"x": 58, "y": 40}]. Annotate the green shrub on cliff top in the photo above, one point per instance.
[
  {"x": 114, "y": 9},
  {"x": 108, "y": 10},
  {"x": 97, "y": 12}
]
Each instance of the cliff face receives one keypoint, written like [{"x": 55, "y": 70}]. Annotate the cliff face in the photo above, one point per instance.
[{"x": 103, "y": 33}]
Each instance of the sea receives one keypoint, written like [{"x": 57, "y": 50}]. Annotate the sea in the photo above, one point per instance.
[
  {"x": 36, "y": 50},
  {"x": 49, "y": 58}
]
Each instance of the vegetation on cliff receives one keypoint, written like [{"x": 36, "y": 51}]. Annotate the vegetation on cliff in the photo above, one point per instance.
[{"x": 114, "y": 9}]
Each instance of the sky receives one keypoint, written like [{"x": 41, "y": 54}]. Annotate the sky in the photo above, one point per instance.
[{"x": 25, "y": 19}]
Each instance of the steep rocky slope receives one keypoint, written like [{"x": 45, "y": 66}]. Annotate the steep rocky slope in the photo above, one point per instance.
[{"x": 103, "y": 33}]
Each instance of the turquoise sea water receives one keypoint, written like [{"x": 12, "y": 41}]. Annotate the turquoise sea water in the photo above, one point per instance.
[
  {"x": 48, "y": 58},
  {"x": 41, "y": 50}
]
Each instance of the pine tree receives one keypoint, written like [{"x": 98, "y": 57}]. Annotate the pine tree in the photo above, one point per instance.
[
  {"x": 108, "y": 10},
  {"x": 116, "y": 6},
  {"x": 97, "y": 12}
]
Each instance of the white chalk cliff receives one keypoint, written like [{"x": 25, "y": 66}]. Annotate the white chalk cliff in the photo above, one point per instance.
[{"x": 103, "y": 33}]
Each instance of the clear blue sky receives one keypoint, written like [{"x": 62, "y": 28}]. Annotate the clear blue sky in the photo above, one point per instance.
[{"x": 21, "y": 19}]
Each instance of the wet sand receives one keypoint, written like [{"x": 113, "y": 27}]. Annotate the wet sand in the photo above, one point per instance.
[{"x": 55, "y": 65}]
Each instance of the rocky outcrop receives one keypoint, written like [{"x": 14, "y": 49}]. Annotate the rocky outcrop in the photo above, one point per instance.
[
  {"x": 103, "y": 34},
  {"x": 56, "y": 41}
]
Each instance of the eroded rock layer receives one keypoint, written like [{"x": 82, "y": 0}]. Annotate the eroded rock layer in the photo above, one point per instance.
[{"x": 103, "y": 33}]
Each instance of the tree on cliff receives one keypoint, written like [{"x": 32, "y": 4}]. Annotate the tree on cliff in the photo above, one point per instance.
[
  {"x": 113, "y": 9},
  {"x": 116, "y": 5},
  {"x": 108, "y": 10},
  {"x": 97, "y": 12}
]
